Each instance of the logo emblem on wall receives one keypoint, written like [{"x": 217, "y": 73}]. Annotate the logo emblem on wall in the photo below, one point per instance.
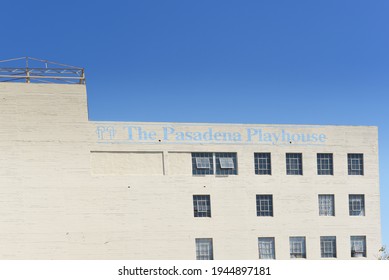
[{"x": 105, "y": 132}]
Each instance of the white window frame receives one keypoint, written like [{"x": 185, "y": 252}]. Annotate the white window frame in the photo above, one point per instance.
[
  {"x": 264, "y": 205},
  {"x": 326, "y": 205},
  {"x": 262, "y": 163},
  {"x": 214, "y": 163},
  {"x": 266, "y": 248},
  {"x": 328, "y": 245},
  {"x": 356, "y": 204},
  {"x": 296, "y": 164},
  {"x": 226, "y": 163},
  {"x": 204, "y": 248},
  {"x": 202, "y": 206},
  {"x": 297, "y": 247},
  {"x": 357, "y": 164},
  {"x": 327, "y": 160},
  {"x": 325, "y": 163},
  {"x": 203, "y": 163},
  {"x": 358, "y": 246},
  {"x": 200, "y": 161}
]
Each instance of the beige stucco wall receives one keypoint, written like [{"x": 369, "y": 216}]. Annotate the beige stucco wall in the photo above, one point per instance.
[
  {"x": 126, "y": 163},
  {"x": 75, "y": 189}
]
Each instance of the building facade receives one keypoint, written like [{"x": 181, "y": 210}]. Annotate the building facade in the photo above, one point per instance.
[{"x": 71, "y": 188}]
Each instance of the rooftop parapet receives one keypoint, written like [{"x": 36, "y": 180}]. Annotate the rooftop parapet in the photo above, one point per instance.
[{"x": 33, "y": 70}]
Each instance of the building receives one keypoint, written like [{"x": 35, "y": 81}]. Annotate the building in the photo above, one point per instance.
[{"x": 71, "y": 188}]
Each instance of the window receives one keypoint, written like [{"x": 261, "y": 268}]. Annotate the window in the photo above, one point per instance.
[
  {"x": 328, "y": 246},
  {"x": 294, "y": 164},
  {"x": 326, "y": 205},
  {"x": 325, "y": 165},
  {"x": 358, "y": 246},
  {"x": 266, "y": 248},
  {"x": 297, "y": 247},
  {"x": 264, "y": 205},
  {"x": 262, "y": 163},
  {"x": 204, "y": 163},
  {"x": 355, "y": 164},
  {"x": 204, "y": 249},
  {"x": 202, "y": 205},
  {"x": 356, "y": 204},
  {"x": 226, "y": 164}
]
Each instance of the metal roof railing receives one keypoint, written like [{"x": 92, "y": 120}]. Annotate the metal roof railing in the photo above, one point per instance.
[{"x": 36, "y": 70}]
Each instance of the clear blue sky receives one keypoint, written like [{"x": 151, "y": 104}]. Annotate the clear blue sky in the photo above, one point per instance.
[{"x": 247, "y": 61}]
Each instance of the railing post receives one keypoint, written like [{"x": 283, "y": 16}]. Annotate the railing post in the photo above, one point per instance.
[
  {"x": 82, "y": 80},
  {"x": 27, "y": 76}
]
